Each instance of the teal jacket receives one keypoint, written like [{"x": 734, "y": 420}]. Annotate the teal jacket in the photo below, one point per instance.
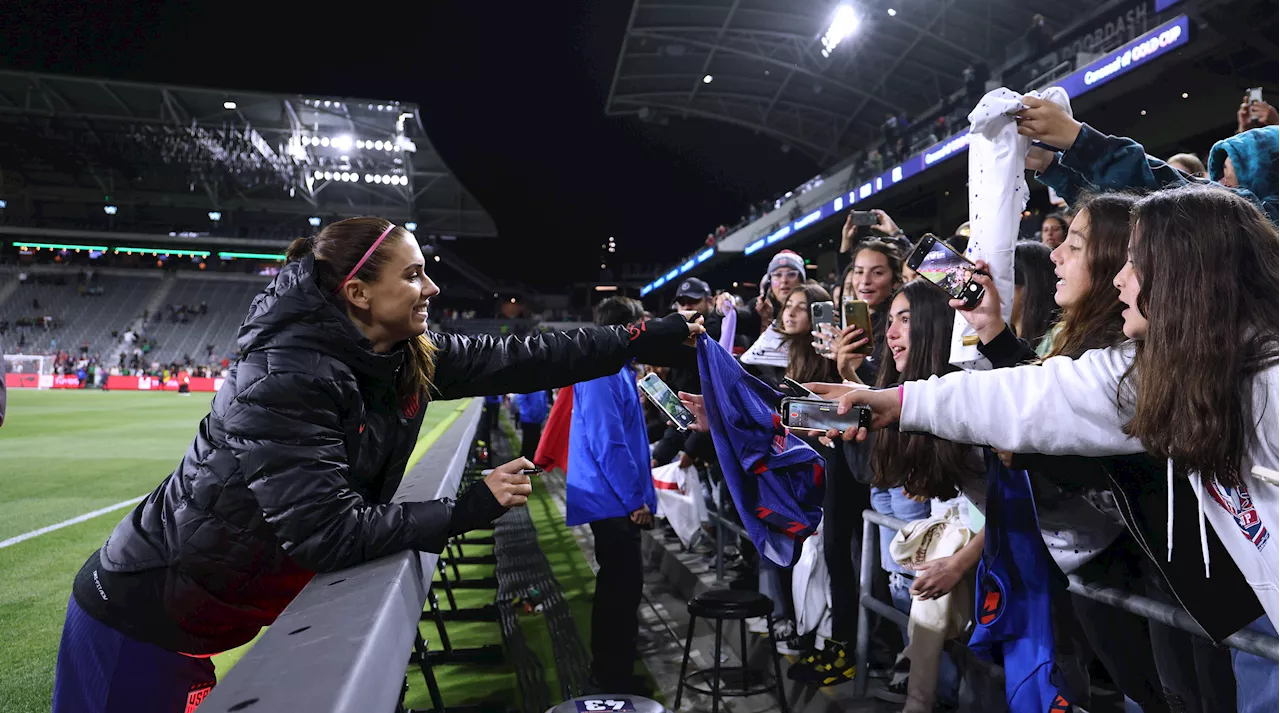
[{"x": 1097, "y": 163}]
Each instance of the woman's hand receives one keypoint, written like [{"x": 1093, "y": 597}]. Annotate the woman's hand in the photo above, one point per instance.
[
  {"x": 510, "y": 487},
  {"x": 695, "y": 327},
  {"x": 726, "y": 304},
  {"x": 885, "y": 225},
  {"x": 847, "y": 354},
  {"x": 1047, "y": 123},
  {"x": 886, "y": 409},
  {"x": 1039, "y": 160},
  {"x": 764, "y": 308},
  {"x": 936, "y": 578},
  {"x": 643, "y": 517},
  {"x": 694, "y": 403},
  {"x": 824, "y": 339},
  {"x": 985, "y": 318}
]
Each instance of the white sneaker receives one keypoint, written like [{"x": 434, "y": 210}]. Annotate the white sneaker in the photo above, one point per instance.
[
  {"x": 785, "y": 638},
  {"x": 757, "y": 625}
]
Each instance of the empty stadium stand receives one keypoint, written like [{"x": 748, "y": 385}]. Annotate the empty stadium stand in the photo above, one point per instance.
[
  {"x": 220, "y": 303},
  {"x": 81, "y": 320}
]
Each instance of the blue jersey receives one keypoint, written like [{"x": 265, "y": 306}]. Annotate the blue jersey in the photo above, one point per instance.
[
  {"x": 1017, "y": 581},
  {"x": 775, "y": 478}
]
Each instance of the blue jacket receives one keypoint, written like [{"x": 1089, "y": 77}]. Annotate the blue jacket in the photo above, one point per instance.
[
  {"x": 1097, "y": 163},
  {"x": 533, "y": 407},
  {"x": 775, "y": 478},
  {"x": 608, "y": 451},
  {"x": 1017, "y": 582}
]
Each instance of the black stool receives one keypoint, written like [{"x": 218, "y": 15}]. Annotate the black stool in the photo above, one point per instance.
[{"x": 731, "y": 604}]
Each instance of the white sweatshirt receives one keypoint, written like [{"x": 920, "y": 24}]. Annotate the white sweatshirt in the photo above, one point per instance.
[{"x": 1069, "y": 407}]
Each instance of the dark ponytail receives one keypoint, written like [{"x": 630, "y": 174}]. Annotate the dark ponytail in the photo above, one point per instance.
[{"x": 300, "y": 248}]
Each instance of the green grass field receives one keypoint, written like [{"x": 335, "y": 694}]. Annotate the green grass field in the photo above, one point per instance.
[{"x": 63, "y": 454}]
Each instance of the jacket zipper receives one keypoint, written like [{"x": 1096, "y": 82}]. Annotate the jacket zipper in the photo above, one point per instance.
[{"x": 1130, "y": 520}]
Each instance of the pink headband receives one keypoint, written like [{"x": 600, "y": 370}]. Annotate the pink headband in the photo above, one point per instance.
[{"x": 364, "y": 259}]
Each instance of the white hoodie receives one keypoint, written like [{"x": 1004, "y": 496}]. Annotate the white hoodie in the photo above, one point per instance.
[{"x": 1068, "y": 407}]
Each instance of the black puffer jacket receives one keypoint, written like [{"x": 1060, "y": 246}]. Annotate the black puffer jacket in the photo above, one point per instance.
[{"x": 292, "y": 471}]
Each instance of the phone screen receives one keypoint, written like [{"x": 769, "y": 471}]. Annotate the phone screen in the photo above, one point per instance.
[
  {"x": 664, "y": 398},
  {"x": 1255, "y": 94},
  {"x": 946, "y": 268},
  {"x": 813, "y": 414}
]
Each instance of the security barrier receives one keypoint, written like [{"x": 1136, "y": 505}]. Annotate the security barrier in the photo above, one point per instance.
[{"x": 343, "y": 645}]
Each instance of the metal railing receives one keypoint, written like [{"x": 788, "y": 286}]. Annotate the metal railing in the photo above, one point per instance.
[
  {"x": 343, "y": 645},
  {"x": 1244, "y": 640}
]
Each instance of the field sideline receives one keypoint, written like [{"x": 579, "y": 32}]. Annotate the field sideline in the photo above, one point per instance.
[{"x": 64, "y": 454}]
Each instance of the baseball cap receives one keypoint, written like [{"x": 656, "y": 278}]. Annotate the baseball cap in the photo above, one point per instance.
[{"x": 693, "y": 289}]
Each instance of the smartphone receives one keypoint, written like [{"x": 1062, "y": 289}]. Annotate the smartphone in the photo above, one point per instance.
[
  {"x": 865, "y": 218},
  {"x": 947, "y": 269},
  {"x": 857, "y": 314},
  {"x": 819, "y": 415},
  {"x": 1255, "y": 94},
  {"x": 822, "y": 313},
  {"x": 665, "y": 399},
  {"x": 798, "y": 389}
]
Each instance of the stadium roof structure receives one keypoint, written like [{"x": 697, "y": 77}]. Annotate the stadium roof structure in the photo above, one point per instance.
[
  {"x": 160, "y": 157},
  {"x": 763, "y": 64}
]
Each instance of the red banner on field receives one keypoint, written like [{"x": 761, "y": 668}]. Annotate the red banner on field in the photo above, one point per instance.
[
  {"x": 40, "y": 381},
  {"x": 155, "y": 383}
]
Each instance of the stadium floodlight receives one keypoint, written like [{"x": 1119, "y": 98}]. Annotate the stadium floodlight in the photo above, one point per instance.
[
  {"x": 229, "y": 105},
  {"x": 411, "y": 226},
  {"x": 893, "y": 13},
  {"x": 368, "y": 178},
  {"x": 215, "y": 216},
  {"x": 328, "y": 175},
  {"x": 342, "y": 142},
  {"x": 251, "y": 256},
  {"x": 324, "y": 141},
  {"x": 314, "y": 221},
  {"x": 319, "y": 175},
  {"x": 110, "y": 209},
  {"x": 706, "y": 78},
  {"x": 844, "y": 23},
  {"x": 377, "y": 145}
]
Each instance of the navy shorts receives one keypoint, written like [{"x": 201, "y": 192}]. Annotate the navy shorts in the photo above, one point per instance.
[{"x": 101, "y": 670}]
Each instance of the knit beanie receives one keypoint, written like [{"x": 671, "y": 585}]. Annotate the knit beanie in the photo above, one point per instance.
[{"x": 788, "y": 258}]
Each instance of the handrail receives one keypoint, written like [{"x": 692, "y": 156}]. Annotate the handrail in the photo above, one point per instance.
[
  {"x": 1244, "y": 640},
  {"x": 342, "y": 646}
]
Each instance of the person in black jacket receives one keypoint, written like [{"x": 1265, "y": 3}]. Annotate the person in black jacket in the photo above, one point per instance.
[{"x": 293, "y": 470}]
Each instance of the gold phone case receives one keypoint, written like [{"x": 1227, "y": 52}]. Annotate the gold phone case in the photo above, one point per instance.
[{"x": 856, "y": 313}]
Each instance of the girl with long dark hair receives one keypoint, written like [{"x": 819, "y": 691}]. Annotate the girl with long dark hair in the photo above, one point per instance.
[
  {"x": 803, "y": 361},
  {"x": 293, "y": 470},
  {"x": 1196, "y": 388},
  {"x": 873, "y": 276},
  {"x": 910, "y": 469}
]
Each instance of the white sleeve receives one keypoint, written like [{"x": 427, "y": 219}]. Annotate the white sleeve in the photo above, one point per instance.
[{"x": 1060, "y": 407}]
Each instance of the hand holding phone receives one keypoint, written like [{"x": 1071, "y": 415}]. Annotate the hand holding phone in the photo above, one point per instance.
[
  {"x": 822, "y": 416},
  {"x": 666, "y": 400},
  {"x": 857, "y": 313},
  {"x": 946, "y": 269}
]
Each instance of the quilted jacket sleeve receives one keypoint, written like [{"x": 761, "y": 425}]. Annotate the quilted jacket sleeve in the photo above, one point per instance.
[
  {"x": 286, "y": 433},
  {"x": 483, "y": 365}
]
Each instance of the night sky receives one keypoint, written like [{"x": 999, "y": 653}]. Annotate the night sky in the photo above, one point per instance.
[{"x": 512, "y": 96}]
